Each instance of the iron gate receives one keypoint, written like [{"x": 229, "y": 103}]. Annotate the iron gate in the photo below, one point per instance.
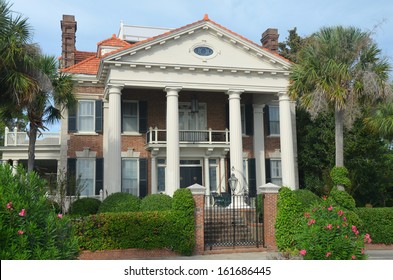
[{"x": 232, "y": 221}]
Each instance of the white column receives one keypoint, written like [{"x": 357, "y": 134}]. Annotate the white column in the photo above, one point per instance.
[
  {"x": 259, "y": 144},
  {"x": 235, "y": 135},
  {"x": 105, "y": 146},
  {"x": 114, "y": 140},
  {"x": 154, "y": 187},
  {"x": 286, "y": 142},
  {"x": 223, "y": 181},
  {"x": 14, "y": 166},
  {"x": 207, "y": 175},
  {"x": 172, "y": 176}
]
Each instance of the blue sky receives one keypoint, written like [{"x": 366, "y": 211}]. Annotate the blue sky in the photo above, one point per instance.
[{"x": 98, "y": 19}]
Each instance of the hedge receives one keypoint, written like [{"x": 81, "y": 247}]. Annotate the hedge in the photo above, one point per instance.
[
  {"x": 85, "y": 206},
  {"x": 378, "y": 222},
  {"x": 144, "y": 230},
  {"x": 120, "y": 202},
  {"x": 156, "y": 202}
]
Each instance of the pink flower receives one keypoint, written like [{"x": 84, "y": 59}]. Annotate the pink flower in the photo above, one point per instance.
[
  {"x": 346, "y": 236},
  {"x": 330, "y": 208},
  {"x": 328, "y": 254},
  {"x": 302, "y": 252},
  {"x": 329, "y": 226},
  {"x": 353, "y": 257},
  {"x": 367, "y": 238},
  {"x": 324, "y": 197},
  {"x": 60, "y": 216},
  {"x": 307, "y": 215},
  {"x": 9, "y": 205},
  {"x": 22, "y": 213},
  {"x": 20, "y": 232},
  {"x": 345, "y": 219},
  {"x": 338, "y": 226},
  {"x": 310, "y": 222},
  {"x": 340, "y": 213},
  {"x": 362, "y": 251}
]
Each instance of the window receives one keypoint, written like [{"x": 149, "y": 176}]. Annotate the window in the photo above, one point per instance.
[
  {"x": 213, "y": 175},
  {"x": 275, "y": 170},
  {"x": 130, "y": 116},
  {"x": 161, "y": 175},
  {"x": 86, "y": 116},
  {"x": 129, "y": 174},
  {"x": 274, "y": 120},
  {"x": 85, "y": 176}
]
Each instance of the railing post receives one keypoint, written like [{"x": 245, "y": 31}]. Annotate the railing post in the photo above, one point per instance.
[
  {"x": 7, "y": 130},
  {"x": 226, "y": 135},
  {"x": 15, "y": 136},
  {"x": 210, "y": 135},
  {"x": 155, "y": 135}
]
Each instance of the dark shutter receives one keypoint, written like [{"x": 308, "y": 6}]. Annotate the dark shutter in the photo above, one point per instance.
[
  {"x": 229, "y": 175},
  {"x": 72, "y": 119},
  {"x": 99, "y": 116},
  {"x": 268, "y": 171},
  {"x": 249, "y": 114},
  {"x": 99, "y": 175},
  {"x": 142, "y": 177},
  {"x": 142, "y": 116},
  {"x": 71, "y": 176},
  {"x": 266, "y": 119},
  {"x": 252, "y": 180}
]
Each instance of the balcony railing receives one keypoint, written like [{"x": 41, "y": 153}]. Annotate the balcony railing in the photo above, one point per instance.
[
  {"x": 158, "y": 136},
  {"x": 20, "y": 138}
]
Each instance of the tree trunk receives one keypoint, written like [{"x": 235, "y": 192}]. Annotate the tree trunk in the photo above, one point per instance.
[
  {"x": 339, "y": 137},
  {"x": 31, "y": 153}
]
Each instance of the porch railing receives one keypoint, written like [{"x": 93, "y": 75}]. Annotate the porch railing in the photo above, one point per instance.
[
  {"x": 20, "y": 138},
  {"x": 210, "y": 136}
]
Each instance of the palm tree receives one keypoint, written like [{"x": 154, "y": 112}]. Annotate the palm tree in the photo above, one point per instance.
[
  {"x": 381, "y": 121},
  {"x": 340, "y": 69}
]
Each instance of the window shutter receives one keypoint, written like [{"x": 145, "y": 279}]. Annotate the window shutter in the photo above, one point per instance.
[
  {"x": 252, "y": 182},
  {"x": 142, "y": 177},
  {"x": 71, "y": 176},
  {"x": 98, "y": 116},
  {"x": 121, "y": 114},
  {"x": 249, "y": 114},
  {"x": 72, "y": 119},
  {"x": 142, "y": 116},
  {"x": 266, "y": 119},
  {"x": 99, "y": 175},
  {"x": 268, "y": 171}
]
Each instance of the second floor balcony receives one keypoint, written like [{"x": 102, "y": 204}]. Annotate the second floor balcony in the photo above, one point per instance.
[
  {"x": 20, "y": 138},
  {"x": 210, "y": 137}
]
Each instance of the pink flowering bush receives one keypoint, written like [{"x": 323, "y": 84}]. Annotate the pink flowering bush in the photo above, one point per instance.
[
  {"x": 29, "y": 226},
  {"x": 326, "y": 233}
]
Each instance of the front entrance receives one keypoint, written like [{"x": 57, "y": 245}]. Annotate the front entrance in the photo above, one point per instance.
[{"x": 190, "y": 176}]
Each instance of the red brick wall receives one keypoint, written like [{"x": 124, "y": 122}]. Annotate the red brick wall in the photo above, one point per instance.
[
  {"x": 269, "y": 219},
  {"x": 79, "y": 142},
  {"x": 199, "y": 215}
]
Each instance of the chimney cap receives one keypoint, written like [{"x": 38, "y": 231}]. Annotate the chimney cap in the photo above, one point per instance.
[{"x": 68, "y": 17}]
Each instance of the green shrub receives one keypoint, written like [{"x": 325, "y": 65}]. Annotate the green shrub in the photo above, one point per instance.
[
  {"x": 183, "y": 201},
  {"x": 29, "y": 226},
  {"x": 120, "y": 202},
  {"x": 306, "y": 198},
  {"x": 156, "y": 202},
  {"x": 342, "y": 198},
  {"x": 327, "y": 233},
  {"x": 340, "y": 176},
  {"x": 145, "y": 230},
  {"x": 289, "y": 213},
  {"x": 85, "y": 206},
  {"x": 378, "y": 222}
]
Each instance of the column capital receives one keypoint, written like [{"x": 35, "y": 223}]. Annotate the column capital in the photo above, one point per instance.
[
  {"x": 283, "y": 96},
  {"x": 234, "y": 93},
  {"x": 172, "y": 90},
  {"x": 113, "y": 89}
]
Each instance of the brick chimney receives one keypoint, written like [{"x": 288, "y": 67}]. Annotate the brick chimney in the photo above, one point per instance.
[
  {"x": 68, "y": 39},
  {"x": 270, "y": 39}
]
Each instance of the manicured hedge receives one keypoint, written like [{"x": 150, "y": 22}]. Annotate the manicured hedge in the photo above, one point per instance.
[
  {"x": 306, "y": 198},
  {"x": 120, "y": 202},
  {"x": 378, "y": 222},
  {"x": 156, "y": 202},
  {"x": 85, "y": 206}
]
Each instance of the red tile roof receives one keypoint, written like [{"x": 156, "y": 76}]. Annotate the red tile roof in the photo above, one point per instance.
[
  {"x": 91, "y": 64},
  {"x": 81, "y": 55}
]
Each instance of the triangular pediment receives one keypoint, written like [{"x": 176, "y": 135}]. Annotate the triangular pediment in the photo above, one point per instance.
[{"x": 201, "y": 45}]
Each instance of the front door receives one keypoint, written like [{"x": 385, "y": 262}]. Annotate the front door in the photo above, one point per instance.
[{"x": 190, "y": 175}]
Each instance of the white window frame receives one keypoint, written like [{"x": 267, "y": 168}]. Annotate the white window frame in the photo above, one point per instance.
[
  {"x": 79, "y": 174},
  {"x": 276, "y": 107},
  {"x": 137, "y": 175},
  {"x": 92, "y": 116},
  {"x": 277, "y": 180},
  {"x": 137, "y": 117},
  {"x": 213, "y": 164},
  {"x": 161, "y": 163}
]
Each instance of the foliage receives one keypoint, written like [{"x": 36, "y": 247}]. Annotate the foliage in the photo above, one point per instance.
[
  {"x": 340, "y": 177},
  {"x": 120, "y": 202},
  {"x": 289, "y": 211},
  {"x": 378, "y": 222},
  {"x": 172, "y": 229},
  {"x": 342, "y": 198},
  {"x": 306, "y": 198},
  {"x": 381, "y": 121},
  {"x": 327, "y": 234},
  {"x": 183, "y": 201},
  {"x": 156, "y": 202},
  {"x": 292, "y": 45},
  {"x": 29, "y": 226},
  {"x": 85, "y": 206}
]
